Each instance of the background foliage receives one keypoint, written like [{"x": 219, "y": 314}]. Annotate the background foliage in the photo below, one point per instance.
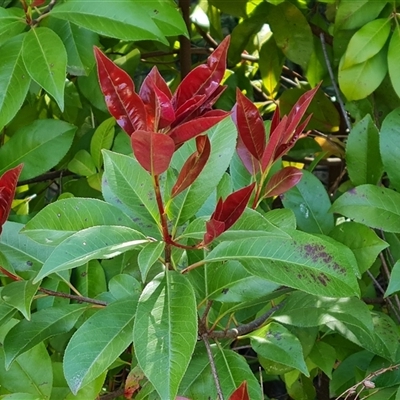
[{"x": 298, "y": 299}]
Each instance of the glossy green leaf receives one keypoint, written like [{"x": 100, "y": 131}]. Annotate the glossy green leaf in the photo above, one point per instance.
[
  {"x": 127, "y": 21},
  {"x": 165, "y": 331},
  {"x": 393, "y": 59},
  {"x": 275, "y": 342},
  {"x": 14, "y": 79},
  {"x": 20, "y": 396},
  {"x": 102, "y": 139},
  {"x": 43, "y": 325},
  {"x": 376, "y": 207},
  {"x": 292, "y": 32},
  {"x": 366, "y": 42},
  {"x": 302, "y": 262},
  {"x": 97, "y": 242},
  {"x": 167, "y": 17},
  {"x": 90, "y": 279},
  {"x": 270, "y": 63},
  {"x": 96, "y": 345},
  {"x": 310, "y": 203},
  {"x": 6, "y": 311},
  {"x": 345, "y": 314},
  {"x": 355, "y": 14},
  {"x": 124, "y": 286},
  {"x": 47, "y": 140},
  {"x": 386, "y": 338},
  {"x": 45, "y": 60},
  {"x": 362, "y": 241},
  {"x": 324, "y": 357},
  {"x": 223, "y": 143},
  {"x": 61, "y": 219},
  {"x": 364, "y": 162},
  {"x": 20, "y": 294},
  {"x": 12, "y": 22},
  {"x": 360, "y": 80},
  {"x": 24, "y": 255},
  {"x": 30, "y": 373},
  {"x": 77, "y": 41},
  {"x": 148, "y": 256},
  {"x": 390, "y": 146},
  {"x": 394, "y": 281},
  {"x": 126, "y": 182},
  {"x": 82, "y": 164}
]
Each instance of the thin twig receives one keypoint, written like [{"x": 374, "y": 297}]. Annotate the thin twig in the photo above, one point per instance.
[
  {"x": 48, "y": 176},
  {"x": 82, "y": 299},
  {"x": 213, "y": 366},
  {"x": 246, "y": 328},
  {"x": 334, "y": 84}
]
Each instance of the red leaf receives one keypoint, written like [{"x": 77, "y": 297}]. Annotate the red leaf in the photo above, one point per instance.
[
  {"x": 153, "y": 150},
  {"x": 205, "y": 78},
  {"x": 156, "y": 96},
  {"x": 38, "y": 3},
  {"x": 275, "y": 119},
  {"x": 188, "y": 130},
  {"x": 119, "y": 91},
  {"x": 8, "y": 183},
  {"x": 193, "y": 165},
  {"x": 240, "y": 393},
  {"x": 282, "y": 181},
  {"x": 249, "y": 125},
  {"x": 251, "y": 164},
  {"x": 227, "y": 212},
  {"x": 132, "y": 383}
]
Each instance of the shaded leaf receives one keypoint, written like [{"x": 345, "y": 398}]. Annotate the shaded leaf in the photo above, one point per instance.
[
  {"x": 119, "y": 91},
  {"x": 393, "y": 59},
  {"x": 124, "y": 286},
  {"x": 45, "y": 59},
  {"x": 193, "y": 165},
  {"x": 282, "y": 181},
  {"x": 148, "y": 256},
  {"x": 82, "y": 164},
  {"x": 153, "y": 150},
  {"x": 394, "y": 281},
  {"x": 102, "y": 139},
  {"x": 165, "y": 331}
]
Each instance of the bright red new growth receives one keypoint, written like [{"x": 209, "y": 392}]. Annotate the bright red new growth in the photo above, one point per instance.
[
  {"x": 282, "y": 181},
  {"x": 240, "y": 393},
  {"x": 152, "y": 150},
  {"x": 8, "y": 184},
  {"x": 193, "y": 165},
  {"x": 250, "y": 125},
  {"x": 119, "y": 92},
  {"x": 227, "y": 212},
  {"x": 38, "y": 3}
]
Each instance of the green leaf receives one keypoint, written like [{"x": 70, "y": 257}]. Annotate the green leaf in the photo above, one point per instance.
[
  {"x": 355, "y": 14},
  {"x": 270, "y": 63},
  {"x": 236, "y": 8},
  {"x": 343, "y": 314},
  {"x": 386, "y": 339},
  {"x": 20, "y": 295},
  {"x": 292, "y": 32},
  {"x": 371, "y": 205},
  {"x": 96, "y": 344},
  {"x": 82, "y": 164},
  {"x": 12, "y": 22},
  {"x": 367, "y": 42},
  {"x": 167, "y": 17},
  {"x": 302, "y": 262},
  {"x": 394, "y": 281},
  {"x": 43, "y": 325},
  {"x": 148, "y": 256},
  {"x": 310, "y": 203},
  {"x": 127, "y": 184},
  {"x": 14, "y": 79},
  {"x": 6, "y": 311},
  {"x": 20, "y": 396},
  {"x": 124, "y": 286},
  {"x": 90, "y": 279},
  {"x": 47, "y": 140},
  {"x": 77, "y": 41},
  {"x": 30, "y": 373},
  {"x": 362, "y": 241},
  {"x": 102, "y": 139},
  {"x": 59, "y": 220},
  {"x": 275, "y": 342},
  {"x": 390, "y": 146},
  {"x": 223, "y": 144},
  {"x": 165, "y": 331},
  {"x": 23, "y": 254},
  {"x": 125, "y": 20},
  {"x": 360, "y": 80},
  {"x": 97, "y": 242},
  {"x": 394, "y": 59},
  {"x": 364, "y": 162},
  {"x": 324, "y": 357},
  {"x": 45, "y": 60}
]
